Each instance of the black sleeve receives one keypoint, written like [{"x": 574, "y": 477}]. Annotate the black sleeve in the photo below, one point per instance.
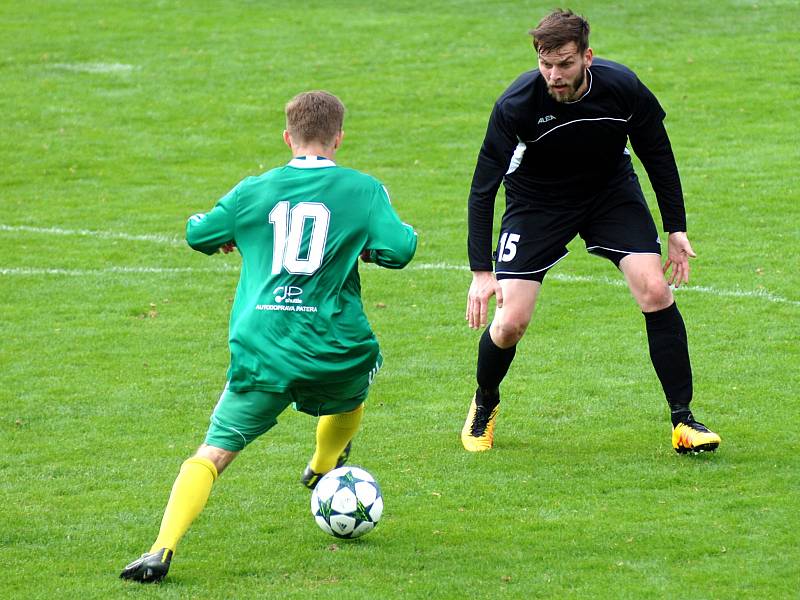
[
  {"x": 650, "y": 142},
  {"x": 493, "y": 161}
]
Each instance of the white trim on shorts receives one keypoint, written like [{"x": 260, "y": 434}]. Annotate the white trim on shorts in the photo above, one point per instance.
[
  {"x": 550, "y": 266},
  {"x": 590, "y": 248},
  {"x": 216, "y": 421}
]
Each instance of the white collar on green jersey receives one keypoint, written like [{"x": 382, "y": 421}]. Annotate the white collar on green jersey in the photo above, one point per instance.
[{"x": 311, "y": 162}]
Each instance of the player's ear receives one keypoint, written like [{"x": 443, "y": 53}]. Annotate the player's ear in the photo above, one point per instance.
[
  {"x": 337, "y": 141},
  {"x": 287, "y": 138},
  {"x": 587, "y": 57}
]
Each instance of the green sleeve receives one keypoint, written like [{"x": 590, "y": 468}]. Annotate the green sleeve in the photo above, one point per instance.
[
  {"x": 206, "y": 232},
  {"x": 391, "y": 242}
]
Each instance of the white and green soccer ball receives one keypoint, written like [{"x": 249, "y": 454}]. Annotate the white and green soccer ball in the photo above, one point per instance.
[{"x": 347, "y": 502}]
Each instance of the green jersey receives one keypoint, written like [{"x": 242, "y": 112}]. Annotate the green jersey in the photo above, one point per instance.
[{"x": 297, "y": 318}]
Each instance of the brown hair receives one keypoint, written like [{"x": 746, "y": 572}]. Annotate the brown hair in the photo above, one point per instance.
[
  {"x": 559, "y": 28},
  {"x": 314, "y": 116}
]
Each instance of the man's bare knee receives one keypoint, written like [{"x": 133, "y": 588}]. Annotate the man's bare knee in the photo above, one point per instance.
[
  {"x": 505, "y": 335},
  {"x": 654, "y": 295},
  {"x": 219, "y": 456}
]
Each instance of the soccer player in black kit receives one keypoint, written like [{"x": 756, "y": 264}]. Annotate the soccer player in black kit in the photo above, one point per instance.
[{"x": 557, "y": 140}]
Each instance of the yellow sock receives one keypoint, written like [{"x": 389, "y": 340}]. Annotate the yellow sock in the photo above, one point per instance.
[
  {"x": 333, "y": 434},
  {"x": 187, "y": 500}
]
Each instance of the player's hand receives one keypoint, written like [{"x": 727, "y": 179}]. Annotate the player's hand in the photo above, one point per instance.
[
  {"x": 679, "y": 251},
  {"x": 484, "y": 285},
  {"x": 228, "y": 248}
]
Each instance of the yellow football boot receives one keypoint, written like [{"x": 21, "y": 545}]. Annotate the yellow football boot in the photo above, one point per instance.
[
  {"x": 694, "y": 437},
  {"x": 478, "y": 432}
]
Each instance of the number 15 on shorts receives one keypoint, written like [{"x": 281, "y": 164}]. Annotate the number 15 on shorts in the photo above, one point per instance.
[{"x": 507, "y": 248}]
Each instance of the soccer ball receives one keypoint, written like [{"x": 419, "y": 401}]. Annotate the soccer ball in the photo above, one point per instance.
[{"x": 347, "y": 502}]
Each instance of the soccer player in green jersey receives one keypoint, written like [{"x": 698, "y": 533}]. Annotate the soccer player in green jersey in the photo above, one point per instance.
[{"x": 298, "y": 332}]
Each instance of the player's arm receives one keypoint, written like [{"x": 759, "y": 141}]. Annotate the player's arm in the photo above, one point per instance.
[
  {"x": 651, "y": 144},
  {"x": 390, "y": 242},
  {"x": 493, "y": 162},
  {"x": 212, "y": 231}
]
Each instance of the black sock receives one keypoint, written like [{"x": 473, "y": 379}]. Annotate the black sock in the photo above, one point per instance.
[
  {"x": 493, "y": 364},
  {"x": 669, "y": 351},
  {"x": 680, "y": 414}
]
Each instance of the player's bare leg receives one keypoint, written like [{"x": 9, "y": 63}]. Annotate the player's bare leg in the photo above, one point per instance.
[
  {"x": 186, "y": 501},
  {"x": 646, "y": 281},
  {"x": 669, "y": 349},
  {"x": 496, "y": 350}
]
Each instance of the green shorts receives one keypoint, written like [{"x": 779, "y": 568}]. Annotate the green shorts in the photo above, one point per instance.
[{"x": 240, "y": 417}]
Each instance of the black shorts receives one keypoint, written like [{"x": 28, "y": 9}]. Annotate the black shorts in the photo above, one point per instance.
[{"x": 613, "y": 223}]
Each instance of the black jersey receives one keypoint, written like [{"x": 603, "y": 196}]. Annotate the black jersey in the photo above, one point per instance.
[{"x": 553, "y": 152}]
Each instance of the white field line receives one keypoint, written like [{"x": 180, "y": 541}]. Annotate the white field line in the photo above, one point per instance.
[
  {"x": 231, "y": 268},
  {"x": 35, "y": 272},
  {"x": 104, "y": 235},
  {"x": 760, "y": 294},
  {"x": 94, "y": 67}
]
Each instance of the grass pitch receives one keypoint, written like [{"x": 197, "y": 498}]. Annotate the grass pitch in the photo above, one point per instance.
[{"x": 120, "y": 120}]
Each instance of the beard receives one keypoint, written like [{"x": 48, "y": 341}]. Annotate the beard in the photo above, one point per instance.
[{"x": 568, "y": 93}]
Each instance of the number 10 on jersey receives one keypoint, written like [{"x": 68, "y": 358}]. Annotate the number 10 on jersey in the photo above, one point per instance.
[{"x": 289, "y": 226}]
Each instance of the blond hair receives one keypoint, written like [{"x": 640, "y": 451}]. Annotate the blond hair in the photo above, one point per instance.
[{"x": 314, "y": 116}]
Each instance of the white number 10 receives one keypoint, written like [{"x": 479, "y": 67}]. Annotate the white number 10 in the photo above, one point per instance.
[{"x": 288, "y": 228}]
